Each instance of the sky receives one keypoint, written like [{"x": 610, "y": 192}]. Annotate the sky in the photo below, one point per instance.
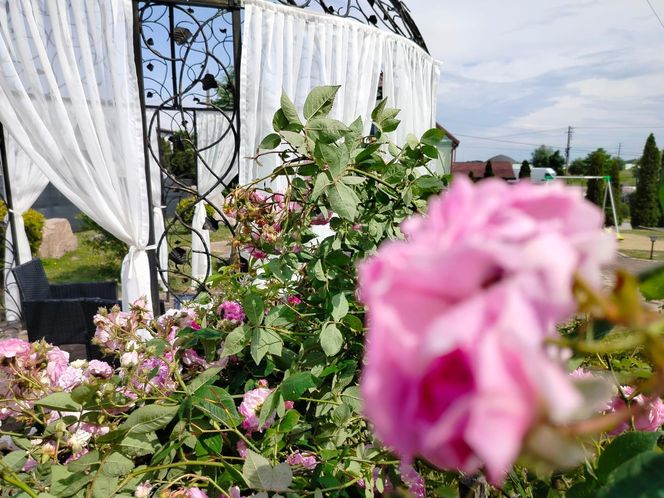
[{"x": 524, "y": 70}]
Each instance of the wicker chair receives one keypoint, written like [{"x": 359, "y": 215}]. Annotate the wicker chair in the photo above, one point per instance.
[{"x": 61, "y": 314}]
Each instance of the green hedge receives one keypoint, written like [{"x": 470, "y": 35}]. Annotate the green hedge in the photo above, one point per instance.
[{"x": 34, "y": 225}]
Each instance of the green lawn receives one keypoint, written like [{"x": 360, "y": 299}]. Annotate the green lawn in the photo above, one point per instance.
[
  {"x": 82, "y": 265},
  {"x": 627, "y": 177},
  {"x": 637, "y": 253}
]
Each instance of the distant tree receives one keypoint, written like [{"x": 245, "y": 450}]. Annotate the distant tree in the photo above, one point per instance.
[
  {"x": 540, "y": 157},
  {"x": 179, "y": 154},
  {"x": 226, "y": 91},
  {"x": 645, "y": 210},
  {"x": 524, "y": 172},
  {"x": 488, "y": 170},
  {"x": 598, "y": 165},
  {"x": 578, "y": 167},
  {"x": 557, "y": 163},
  {"x": 614, "y": 173}
]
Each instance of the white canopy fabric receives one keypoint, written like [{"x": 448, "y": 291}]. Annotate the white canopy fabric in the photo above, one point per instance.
[
  {"x": 292, "y": 50},
  {"x": 152, "y": 119},
  {"x": 215, "y": 143},
  {"x": 26, "y": 183},
  {"x": 410, "y": 83},
  {"x": 69, "y": 96}
]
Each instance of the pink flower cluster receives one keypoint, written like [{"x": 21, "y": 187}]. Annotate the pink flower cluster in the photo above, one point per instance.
[
  {"x": 455, "y": 370},
  {"x": 250, "y": 409},
  {"x": 231, "y": 310},
  {"x": 305, "y": 460},
  {"x": 651, "y": 411}
]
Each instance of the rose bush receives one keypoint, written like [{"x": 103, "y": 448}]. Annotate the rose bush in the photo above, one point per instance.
[{"x": 254, "y": 390}]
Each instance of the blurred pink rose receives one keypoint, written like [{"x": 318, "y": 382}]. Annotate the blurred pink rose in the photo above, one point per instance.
[
  {"x": 250, "y": 409},
  {"x": 306, "y": 460},
  {"x": 651, "y": 419},
  {"x": 455, "y": 370},
  {"x": 58, "y": 361},
  {"x": 9, "y": 348},
  {"x": 99, "y": 369}
]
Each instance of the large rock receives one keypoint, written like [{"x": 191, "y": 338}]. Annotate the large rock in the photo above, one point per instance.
[{"x": 57, "y": 238}]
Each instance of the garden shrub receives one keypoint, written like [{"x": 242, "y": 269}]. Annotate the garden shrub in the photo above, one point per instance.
[
  {"x": 187, "y": 205},
  {"x": 34, "y": 226},
  {"x": 101, "y": 240},
  {"x": 254, "y": 390}
]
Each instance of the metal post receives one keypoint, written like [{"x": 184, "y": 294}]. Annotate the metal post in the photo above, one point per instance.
[
  {"x": 8, "y": 197},
  {"x": 151, "y": 251}
]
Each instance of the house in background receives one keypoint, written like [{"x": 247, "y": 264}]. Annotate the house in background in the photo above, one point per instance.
[
  {"x": 500, "y": 164},
  {"x": 447, "y": 152}
]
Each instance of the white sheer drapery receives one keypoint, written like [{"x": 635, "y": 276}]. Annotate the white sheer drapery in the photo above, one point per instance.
[
  {"x": 26, "y": 182},
  {"x": 291, "y": 50},
  {"x": 152, "y": 119},
  {"x": 215, "y": 142},
  {"x": 69, "y": 96},
  {"x": 410, "y": 83}
]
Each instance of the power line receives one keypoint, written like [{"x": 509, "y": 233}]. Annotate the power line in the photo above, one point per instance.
[{"x": 661, "y": 23}]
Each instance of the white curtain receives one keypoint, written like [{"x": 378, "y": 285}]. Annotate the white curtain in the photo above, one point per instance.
[
  {"x": 291, "y": 50},
  {"x": 155, "y": 187},
  {"x": 26, "y": 183},
  {"x": 410, "y": 83},
  {"x": 215, "y": 142},
  {"x": 69, "y": 96}
]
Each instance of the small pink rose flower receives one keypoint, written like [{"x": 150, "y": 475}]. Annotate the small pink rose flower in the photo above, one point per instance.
[
  {"x": 306, "y": 460},
  {"x": 12, "y": 347},
  {"x": 250, "y": 409},
  {"x": 231, "y": 310},
  {"x": 294, "y": 300},
  {"x": 650, "y": 420},
  {"x": 98, "y": 368},
  {"x": 241, "y": 448},
  {"x": 143, "y": 490}
]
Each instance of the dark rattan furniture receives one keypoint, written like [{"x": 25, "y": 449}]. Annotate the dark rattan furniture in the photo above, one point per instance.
[{"x": 61, "y": 314}]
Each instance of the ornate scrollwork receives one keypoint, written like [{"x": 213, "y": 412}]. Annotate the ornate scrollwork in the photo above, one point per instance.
[{"x": 190, "y": 61}]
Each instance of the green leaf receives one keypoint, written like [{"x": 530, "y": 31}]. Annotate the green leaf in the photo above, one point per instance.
[
  {"x": 104, "y": 486},
  {"x": 270, "y": 142},
  {"x": 117, "y": 465},
  {"x": 343, "y": 200},
  {"x": 265, "y": 341},
  {"x": 412, "y": 141},
  {"x": 326, "y": 130},
  {"x": 260, "y": 475},
  {"x": 331, "y": 155},
  {"x": 65, "y": 483},
  {"x": 289, "y": 421},
  {"x": 206, "y": 377},
  {"x": 320, "y": 184},
  {"x": 331, "y": 339},
  {"x": 319, "y": 101},
  {"x": 430, "y": 151},
  {"x": 432, "y": 136},
  {"x": 279, "y": 121},
  {"x": 137, "y": 445},
  {"x": 377, "y": 113},
  {"x": 289, "y": 110},
  {"x": 584, "y": 489},
  {"x": 84, "y": 393},
  {"x": 149, "y": 418},
  {"x": 270, "y": 406},
  {"x": 639, "y": 477},
  {"x": 235, "y": 342},
  {"x": 15, "y": 460},
  {"x": 253, "y": 307},
  {"x": 623, "y": 448},
  {"x": 295, "y": 139},
  {"x": 651, "y": 283},
  {"x": 217, "y": 404},
  {"x": 339, "y": 306},
  {"x": 59, "y": 401},
  {"x": 294, "y": 386},
  {"x": 86, "y": 462}
]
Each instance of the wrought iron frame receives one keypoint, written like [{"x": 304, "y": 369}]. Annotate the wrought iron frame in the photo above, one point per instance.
[{"x": 188, "y": 36}]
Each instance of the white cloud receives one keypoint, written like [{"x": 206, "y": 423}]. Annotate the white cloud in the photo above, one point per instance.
[{"x": 517, "y": 66}]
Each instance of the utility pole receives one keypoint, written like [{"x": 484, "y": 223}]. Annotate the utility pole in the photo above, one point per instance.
[
  {"x": 569, "y": 140},
  {"x": 619, "y": 149}
]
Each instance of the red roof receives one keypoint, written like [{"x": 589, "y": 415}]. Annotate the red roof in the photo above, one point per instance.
[{"x": 501, "y": 169}]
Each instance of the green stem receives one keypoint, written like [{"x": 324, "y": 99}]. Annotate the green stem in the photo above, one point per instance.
[{"x": 16, "y": 482}]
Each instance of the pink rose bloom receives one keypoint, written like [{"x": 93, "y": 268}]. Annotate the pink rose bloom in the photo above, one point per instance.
[
  {"x": 143, "y": 490},
  {"x": 254, "y": 252},
  {"x": 257, "y": 196},
  {"x": 191, "y": 357},
  {"x": 320, "y": 219},
  {"x": 234, "y": 492},
  {"x": 294, "y": 300},
  {"x": 306, "y": 460},
  {"x": 651, "y": 420},
  {"x": 250, "y": 409},
  {"x": 58, "y": 361},
  {"x": 231, "y": 310},
  {"x": 10, "y": 348},
  {"x": 455, "y": 370},
  {"x": 413, "y": 480},
  {"x": 98, "y": 368},
  {"x": 195, "y": 493},
  {"x": 70, "y": 378}
]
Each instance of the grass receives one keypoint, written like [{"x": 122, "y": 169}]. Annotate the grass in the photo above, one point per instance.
[
  {"x": 640, "y": 254},
  {"x": 627, "y": 177},
  {"x": 82, "y": 265}
]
